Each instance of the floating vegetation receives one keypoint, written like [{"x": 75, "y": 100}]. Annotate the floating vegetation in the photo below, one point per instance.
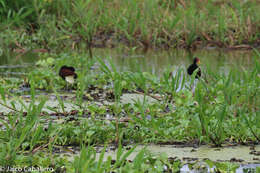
[
  {"x": 123, "y": 108},
  {"x": 69, "y": 108}
]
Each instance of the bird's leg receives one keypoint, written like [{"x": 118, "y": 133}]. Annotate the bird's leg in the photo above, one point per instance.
[
  {"x": 67, "y": 86},
  {"x": 194, "y": 85}
]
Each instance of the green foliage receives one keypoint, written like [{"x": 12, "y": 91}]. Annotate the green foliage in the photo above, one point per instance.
[
  {"x": 221, "y": 109},
  {"x": 57, "y": 24}
]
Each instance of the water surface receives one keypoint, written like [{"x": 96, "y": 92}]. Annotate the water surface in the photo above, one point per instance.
[
  {"x": 156, "y": 61},
  {"x": 151, "y": 61}
]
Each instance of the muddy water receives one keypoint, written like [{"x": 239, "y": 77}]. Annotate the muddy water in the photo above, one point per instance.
[
  {"x": 193, "y": 155},
  {"x": 151, "y": 61},
  {"x": 204, "y": 152},
  {"x": 156, "y": 61},
  {"x": 53, "y": 105}
]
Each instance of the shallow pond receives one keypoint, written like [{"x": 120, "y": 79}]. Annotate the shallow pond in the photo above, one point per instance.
[
  {"x": 151, "y": 61},
  {"x": 157, "y": 61},
  {"x": 154, "y": 62},
  {"x": 237, "y": 154}
]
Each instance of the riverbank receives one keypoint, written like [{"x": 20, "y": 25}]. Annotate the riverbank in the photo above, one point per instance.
[{"x": 51, "y": 25}]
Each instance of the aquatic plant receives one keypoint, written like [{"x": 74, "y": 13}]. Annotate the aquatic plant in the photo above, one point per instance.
[
  {"x": 224, "y": 108},
  {"x": 53, "y": 25}
]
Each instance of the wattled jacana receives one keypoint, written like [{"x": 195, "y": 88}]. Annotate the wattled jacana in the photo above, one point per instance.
[
  {"x": 68, "y": 74},
  {"x": 194, "y": 66}
]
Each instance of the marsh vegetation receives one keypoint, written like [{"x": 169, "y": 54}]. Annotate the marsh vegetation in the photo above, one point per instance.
[
  {"x": 131, "y": 98},
  {"x": 53, "y": 25}
]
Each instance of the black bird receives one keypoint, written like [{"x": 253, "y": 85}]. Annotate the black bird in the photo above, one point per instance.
[
  {"x": 68, "y": 74},
  {"x": 194, "y": 66}
]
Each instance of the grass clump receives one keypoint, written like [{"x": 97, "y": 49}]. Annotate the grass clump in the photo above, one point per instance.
[{"x": 53, "y": 24}]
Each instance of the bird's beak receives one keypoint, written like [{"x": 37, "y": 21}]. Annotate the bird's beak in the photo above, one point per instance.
[{"x": 198, "y": 62}]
